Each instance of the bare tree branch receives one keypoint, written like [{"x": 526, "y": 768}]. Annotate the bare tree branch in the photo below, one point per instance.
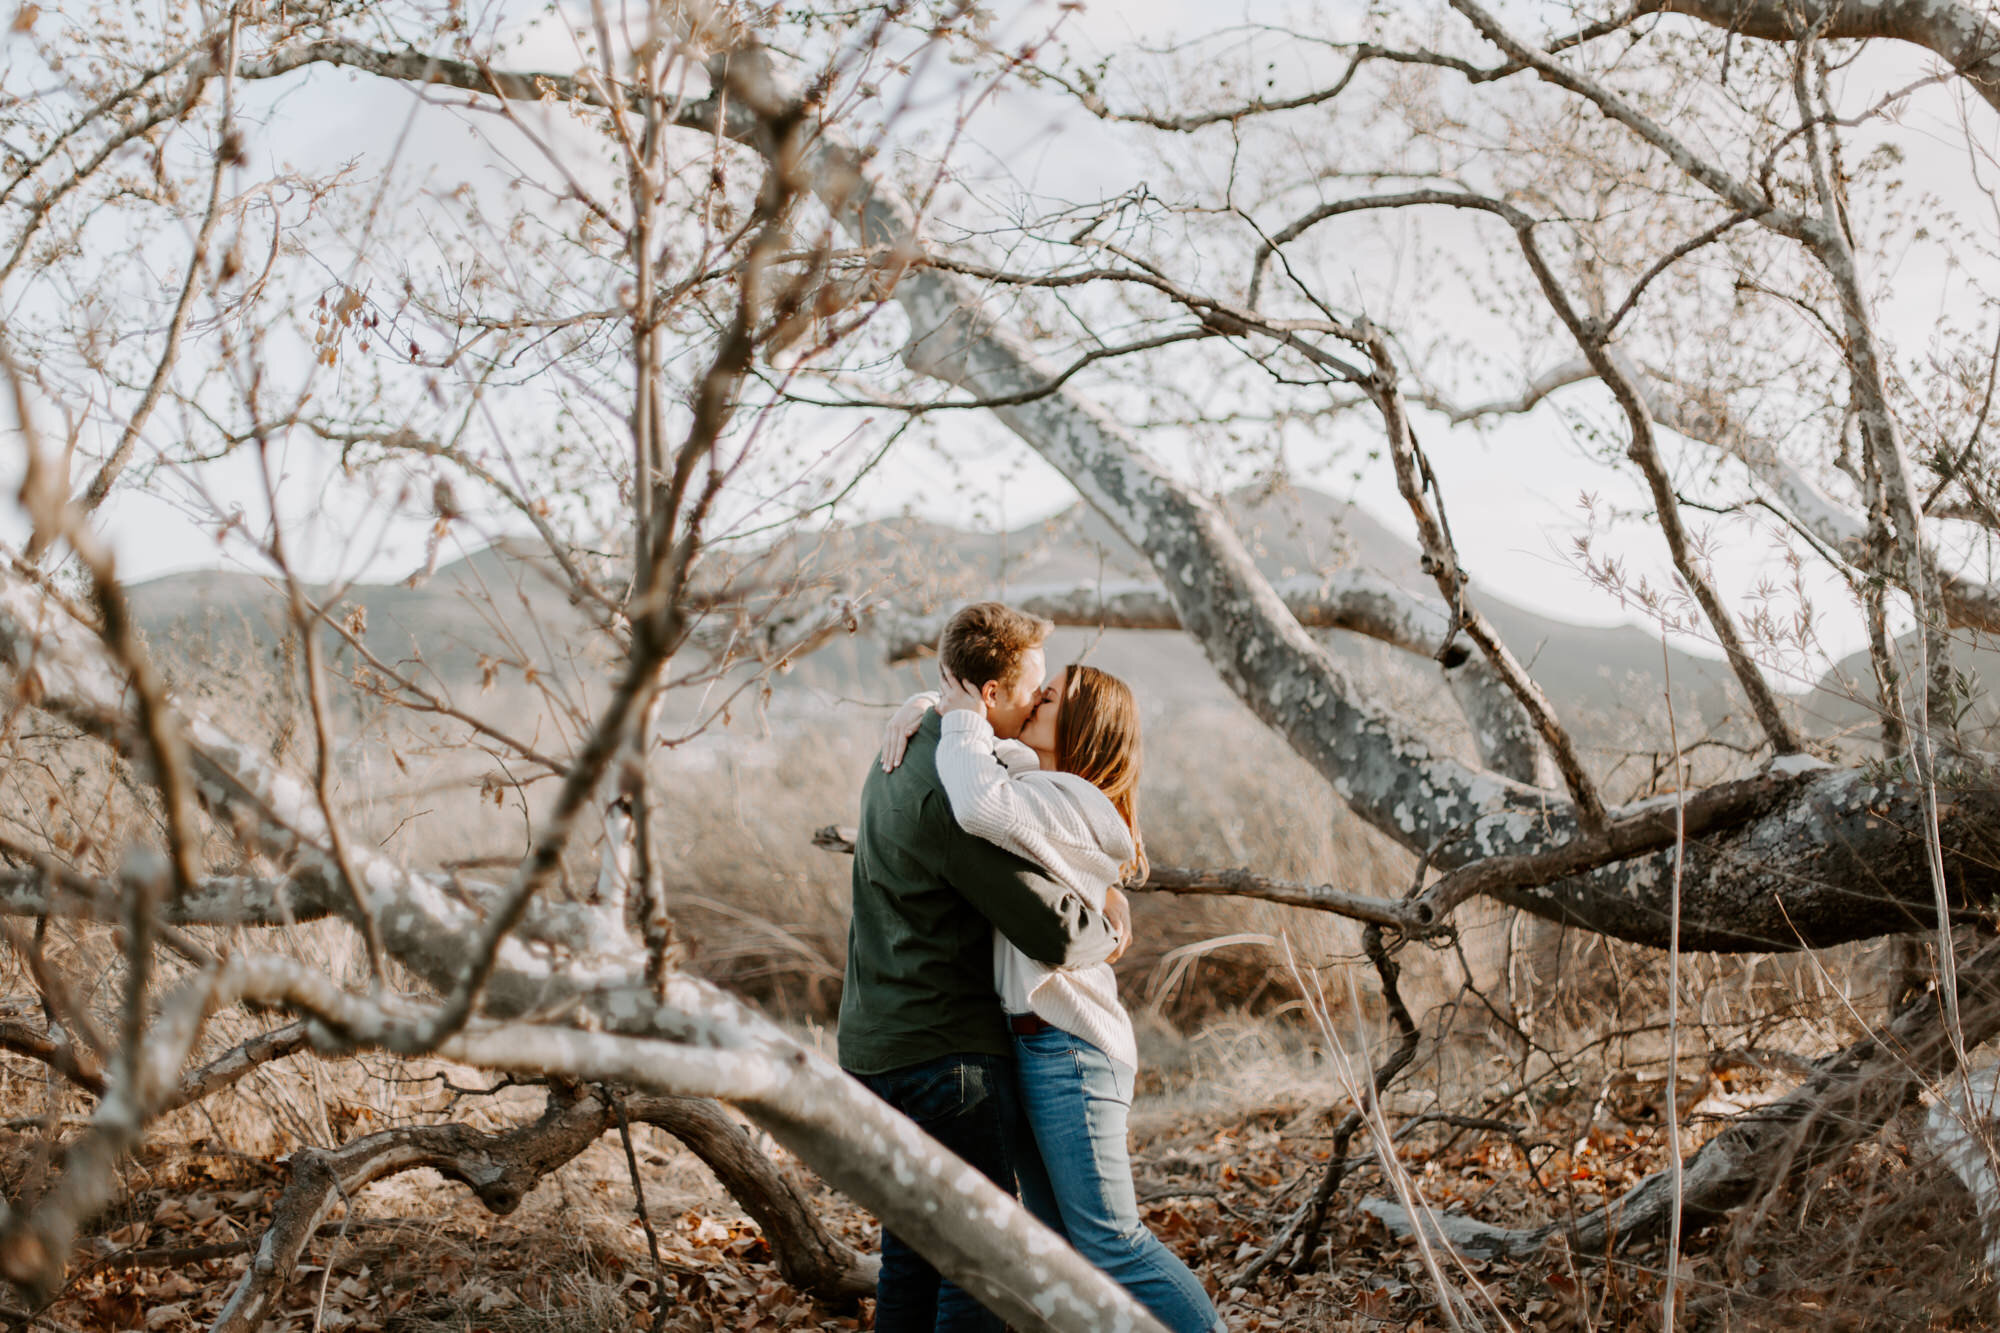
[
  {"x": 1956, "y": 33},
  {"x": 1355, "y": 600},
  {"x": 1419, "y": 491},
  {"x": 500, "y": 1169},
  {"x": 1359, "y": 55},
  {"x": 1704, "y": 418},
  {"x": 1693, "y": 164}
]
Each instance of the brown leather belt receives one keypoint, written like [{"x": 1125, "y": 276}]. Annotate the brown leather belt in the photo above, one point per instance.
[{"x": 1026, "y": 1025}]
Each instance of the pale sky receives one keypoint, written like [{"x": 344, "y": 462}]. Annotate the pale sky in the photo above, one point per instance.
[{"x": 1513, "y": 491}]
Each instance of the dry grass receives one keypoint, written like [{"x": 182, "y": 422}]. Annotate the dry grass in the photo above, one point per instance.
[
  {"x": 1560, "y": 1035},
  {"x": 767, "y": 912}
]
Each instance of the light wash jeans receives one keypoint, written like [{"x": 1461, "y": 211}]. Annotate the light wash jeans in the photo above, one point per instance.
[{"x": 1076, "y": 1174}]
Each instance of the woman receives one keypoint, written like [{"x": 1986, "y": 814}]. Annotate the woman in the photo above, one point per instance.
[{"x": 1066, "y": 797}]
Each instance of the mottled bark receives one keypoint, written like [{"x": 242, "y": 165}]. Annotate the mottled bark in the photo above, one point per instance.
[
  {"x": 1845, "y": 831},
  {"x": 217, "y": 900},
  {"x": 1380, "y": 764},
  {"x": 1841, "y": 859},
  {"x": 1502, "y": 733}
]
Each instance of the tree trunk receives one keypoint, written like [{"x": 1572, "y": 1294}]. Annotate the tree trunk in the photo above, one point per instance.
[{"x": 812, "y": 1258}]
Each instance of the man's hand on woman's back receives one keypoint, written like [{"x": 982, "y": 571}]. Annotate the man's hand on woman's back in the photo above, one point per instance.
[{"x": 1119, "y": 908}]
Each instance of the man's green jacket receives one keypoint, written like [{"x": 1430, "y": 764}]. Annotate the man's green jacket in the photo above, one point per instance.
[{"x": 927, "y": 897}]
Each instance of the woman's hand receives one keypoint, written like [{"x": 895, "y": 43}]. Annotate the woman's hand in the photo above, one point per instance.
[
  {"x": 896, "y": 734},
  {"x": 959, "y": 696}
]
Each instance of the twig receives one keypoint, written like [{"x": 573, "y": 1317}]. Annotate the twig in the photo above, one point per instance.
[
  {"x": 226, "y": 149},
  {"x": 326, "y": 1270},
  {"x": 1304, "y": 1226},
  {"x": 1239, "y": 881},
  {"x": 315, "y": 682},
  {"x": 660, "y": 1300},
  {"x": 1674, "y": 1163}
]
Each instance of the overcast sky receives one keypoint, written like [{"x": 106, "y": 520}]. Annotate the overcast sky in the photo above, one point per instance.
[{"x": 1514, "y": 491}]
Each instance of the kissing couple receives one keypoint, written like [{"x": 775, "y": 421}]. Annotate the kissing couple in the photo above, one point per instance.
[{"x": 979, "y": 999}]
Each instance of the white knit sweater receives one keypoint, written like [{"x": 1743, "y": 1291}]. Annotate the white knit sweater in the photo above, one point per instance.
[{"x": 1067, "y": 826}]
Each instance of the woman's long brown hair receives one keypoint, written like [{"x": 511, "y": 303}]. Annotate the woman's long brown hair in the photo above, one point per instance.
[{"x": 1097, "y": 738}]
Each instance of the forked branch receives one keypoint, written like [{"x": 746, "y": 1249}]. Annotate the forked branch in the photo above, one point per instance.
[{"x": 1419, "y": 490}]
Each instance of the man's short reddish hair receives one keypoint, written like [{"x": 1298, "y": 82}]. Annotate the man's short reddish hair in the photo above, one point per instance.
[{"x": 986, "y": 640}]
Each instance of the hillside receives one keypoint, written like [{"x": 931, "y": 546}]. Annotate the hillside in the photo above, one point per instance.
[{"x": 498, "y": 604}]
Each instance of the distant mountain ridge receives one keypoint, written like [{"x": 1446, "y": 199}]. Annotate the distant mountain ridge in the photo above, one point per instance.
[{"x": 466, "y": 613}]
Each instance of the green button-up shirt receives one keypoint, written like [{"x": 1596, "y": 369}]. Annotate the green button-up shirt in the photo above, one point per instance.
[{"x": 927, "y": 897}]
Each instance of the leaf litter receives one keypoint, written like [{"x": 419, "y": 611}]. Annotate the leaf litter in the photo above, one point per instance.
[{"x": 416, "y": 1256}]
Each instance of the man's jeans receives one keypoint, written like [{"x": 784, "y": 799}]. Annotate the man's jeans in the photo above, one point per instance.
[
  {"x": 1076, "y": 1174},
  {"x": 967, "y": 1103}
]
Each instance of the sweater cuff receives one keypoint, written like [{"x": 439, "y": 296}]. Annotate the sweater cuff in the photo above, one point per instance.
[{"x": 961, "y": 720}]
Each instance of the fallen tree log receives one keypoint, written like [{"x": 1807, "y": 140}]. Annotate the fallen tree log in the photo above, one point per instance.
[
  {"x": 501, "y": 1168},
  {"x": 1849, "y": 1097}
]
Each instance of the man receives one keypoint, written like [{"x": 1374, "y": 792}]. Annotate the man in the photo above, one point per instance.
[{"x": 920, "y": 1021}]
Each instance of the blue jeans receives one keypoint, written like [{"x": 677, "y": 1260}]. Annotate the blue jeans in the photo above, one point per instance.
[
  {"x": 1076, "y": 1174},
  {"x": 967, "y": 1103}
]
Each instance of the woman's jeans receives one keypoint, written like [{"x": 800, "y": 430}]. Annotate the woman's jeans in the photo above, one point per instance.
[{"x": 1076, "y": 1173}]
